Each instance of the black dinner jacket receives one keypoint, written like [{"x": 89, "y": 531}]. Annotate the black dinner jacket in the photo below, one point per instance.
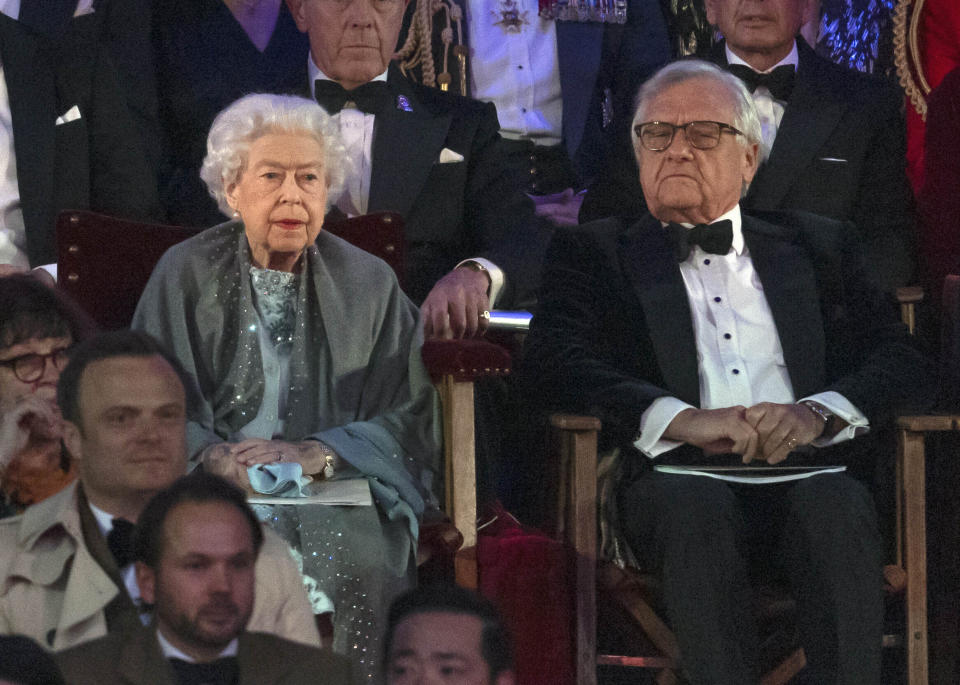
[
  {"x": 839, "y": 152},
  {"x": 613, "y": 331},
  {"x": 94, "y": 162},
  {"x": 455, "y": 210}
]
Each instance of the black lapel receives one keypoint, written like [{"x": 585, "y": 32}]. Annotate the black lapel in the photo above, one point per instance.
[
  {"x": 648, "y": 262},
  {"x": 33, "y": 109},
  {"x": 810, "y": 117},
  {"x": 790, "y": 288},
  {"x": 406, "y": 145}
]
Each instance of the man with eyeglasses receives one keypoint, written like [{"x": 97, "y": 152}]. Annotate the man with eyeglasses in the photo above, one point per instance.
[
  {"x": 37, "y": 329},
  {"x": 472, "y": 239},
  {"x": 835, "y": 136},
  {"x": 718, "y": 349},
  {"x": 66, "y": 564}
]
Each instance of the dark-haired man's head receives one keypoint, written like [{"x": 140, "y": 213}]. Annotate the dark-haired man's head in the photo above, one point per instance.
[
  {"x": 124, "y": 408},
  {"x": 446, "y": 634},
  {"x": 196, "y": 544}
]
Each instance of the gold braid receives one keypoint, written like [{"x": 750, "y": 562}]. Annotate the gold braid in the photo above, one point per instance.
[{"x": 417, "y": 49}]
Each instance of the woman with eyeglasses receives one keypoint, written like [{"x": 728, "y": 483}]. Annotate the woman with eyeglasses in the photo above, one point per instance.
[{"x": 37, "y": 329}]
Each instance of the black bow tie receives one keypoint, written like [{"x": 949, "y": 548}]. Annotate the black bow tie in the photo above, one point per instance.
[
  {"x": 715, "y": 238},
  {"x": 779, "y": 81},
  {"x": 120, "y": 541},
  {"x": 220, "y": 672},
  {"x": 372, "y": 97}
]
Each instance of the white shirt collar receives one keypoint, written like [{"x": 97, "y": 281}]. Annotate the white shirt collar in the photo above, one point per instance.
[
  {"x": 314, "y": 73},
  {"x": 792, "y": 58},
  {"x": 171, "y": 652},
  {"x": 104, "y": 519},
  {"x": 737, "y": 225}
]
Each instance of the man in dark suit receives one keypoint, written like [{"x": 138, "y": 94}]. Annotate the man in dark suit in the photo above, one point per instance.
[
  {"x": 69, "y": 129},
  {"x": 195, "y": 545},
  {"x": 431, "y": 156},
  {"x": 835, "y": 138},
  {"x": 704, "y": 338}
]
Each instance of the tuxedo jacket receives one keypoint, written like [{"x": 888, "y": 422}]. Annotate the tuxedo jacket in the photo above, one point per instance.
[
  {"x": 94, "y": 161},
  {"x": 452, "y": 210},
  {"x": 839, "y": 152},
  {"x": 597, "y": 63},
  {"x": 262, "y": 659},
  {"x": 613, "y": 331}
]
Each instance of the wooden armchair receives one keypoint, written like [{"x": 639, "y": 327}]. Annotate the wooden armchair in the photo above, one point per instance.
[
  {"x": 574, "y": 440},
  {"x": 104, "y": 264},
  {"x": 910, "y": 569}
]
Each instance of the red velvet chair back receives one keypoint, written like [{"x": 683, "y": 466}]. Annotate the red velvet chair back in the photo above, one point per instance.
[{"x": 104, "y": 262}]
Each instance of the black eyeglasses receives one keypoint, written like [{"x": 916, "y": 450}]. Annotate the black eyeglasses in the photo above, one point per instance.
[
  {"x": 657, "y": 136},
  {"x": 29, "y": 367}
]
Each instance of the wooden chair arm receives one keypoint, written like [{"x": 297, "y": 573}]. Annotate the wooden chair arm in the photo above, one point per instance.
[{"x": 929, "y": 423}]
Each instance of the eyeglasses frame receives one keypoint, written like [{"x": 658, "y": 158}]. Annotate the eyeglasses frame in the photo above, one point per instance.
[
  {"x": 52, "y": 356},
  {"x": 724, "y": 128}
]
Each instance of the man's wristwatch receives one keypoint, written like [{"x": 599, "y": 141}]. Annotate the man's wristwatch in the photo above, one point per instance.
[{"x": 823, "y": 413}]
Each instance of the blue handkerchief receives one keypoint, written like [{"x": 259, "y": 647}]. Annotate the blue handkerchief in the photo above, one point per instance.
[{"x": 283, "y": 479}]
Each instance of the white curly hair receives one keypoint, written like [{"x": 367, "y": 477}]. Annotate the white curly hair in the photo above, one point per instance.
[{"x": 252, "y": 116}]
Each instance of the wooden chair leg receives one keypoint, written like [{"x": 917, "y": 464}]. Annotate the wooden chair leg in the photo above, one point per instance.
[
  {"x": 461, "y": 475},
  {"x": 912, "y": 468},
  {"x": 579, "y": 447}
]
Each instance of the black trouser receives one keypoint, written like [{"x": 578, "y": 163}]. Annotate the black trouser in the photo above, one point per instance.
[{"x": 698, "y": 534}]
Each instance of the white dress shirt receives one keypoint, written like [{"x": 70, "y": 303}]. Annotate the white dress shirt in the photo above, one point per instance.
[
  {"x": 517, "y": 69},
  {"x": 739, "y": 355},
  {"x": 171, "y": 652},
  {"x": 356, "y": 133},
  {"x": 769, "y": 108}
]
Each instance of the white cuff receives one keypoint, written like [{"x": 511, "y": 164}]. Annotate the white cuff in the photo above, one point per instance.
[
  {"x": 655, "y": 420},
  {"x": 496, "y": 277},
  {"x": 844, "y": 409},
  {"x": 49, "y": 268}
]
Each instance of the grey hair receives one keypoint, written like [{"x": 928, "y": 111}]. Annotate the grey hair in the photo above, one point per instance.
[
  {"x": 745, "y": 117},
  {"x": 256, "y": 115}
]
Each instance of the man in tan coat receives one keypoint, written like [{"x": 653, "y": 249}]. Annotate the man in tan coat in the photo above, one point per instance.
[{"x": 66, "y": 572}]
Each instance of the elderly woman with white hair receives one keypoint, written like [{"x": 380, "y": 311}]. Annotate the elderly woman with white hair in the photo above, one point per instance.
[{"x": 304, "y": 349}]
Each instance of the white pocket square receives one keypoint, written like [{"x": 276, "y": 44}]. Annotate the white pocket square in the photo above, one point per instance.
[
  {"x": 448, "y": 156},
  {"x": 71, "y": 114},
  {"x": 835, "y": 160}
]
